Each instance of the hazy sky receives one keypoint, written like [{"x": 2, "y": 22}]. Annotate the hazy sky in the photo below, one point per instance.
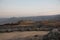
[{"x": 19, "y": 8}]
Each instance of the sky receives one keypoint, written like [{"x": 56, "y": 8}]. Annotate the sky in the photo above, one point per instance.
[{"x": 23, "y": 8}]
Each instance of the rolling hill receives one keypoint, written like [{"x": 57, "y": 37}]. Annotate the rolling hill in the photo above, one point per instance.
[{"x": 33, "y": 18}]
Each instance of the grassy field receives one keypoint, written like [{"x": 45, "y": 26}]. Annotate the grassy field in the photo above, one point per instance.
[{"x": 6, "y": 36}]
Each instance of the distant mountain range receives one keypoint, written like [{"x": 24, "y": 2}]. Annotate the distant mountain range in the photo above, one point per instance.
[{"x": 33, "y": 18}]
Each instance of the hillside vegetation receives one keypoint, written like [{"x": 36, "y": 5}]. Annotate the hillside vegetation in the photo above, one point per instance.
[{"x": 28, "y": 25}]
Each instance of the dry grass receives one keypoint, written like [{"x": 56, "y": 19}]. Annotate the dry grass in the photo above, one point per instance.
[{"x": 5, "y": 36}]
